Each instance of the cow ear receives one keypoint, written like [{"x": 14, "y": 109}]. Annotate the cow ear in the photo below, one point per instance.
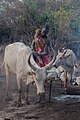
[
  {"x": 34, "y": 73},
  {"x": 61, "y": 58},
  {"x": 67, "y": 53},
  {"x": 65, "y": 56}
]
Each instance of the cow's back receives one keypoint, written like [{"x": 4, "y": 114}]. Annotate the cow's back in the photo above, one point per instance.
[
  {"x": 14, "y": 56},
  {"x": 71, "y": 59}
]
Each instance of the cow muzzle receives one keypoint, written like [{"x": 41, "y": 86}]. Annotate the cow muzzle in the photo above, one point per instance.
[
  {"x": 42, "y": 98},
  {"x": 41, "y": 94}
]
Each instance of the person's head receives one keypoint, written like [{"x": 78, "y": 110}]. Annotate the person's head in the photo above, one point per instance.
[
  {"x": 45, "y": 30},
  {"x": 38, "y": 32}
]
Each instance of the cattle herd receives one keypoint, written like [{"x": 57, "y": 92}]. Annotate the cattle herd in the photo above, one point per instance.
[{"x": 18, "y": 59}]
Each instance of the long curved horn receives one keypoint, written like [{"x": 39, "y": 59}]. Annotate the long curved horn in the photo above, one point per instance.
[
  {"x": 34, "y": 66},
  {"x": 48, "y": 66},
  {"x": 30, "y": 63}
]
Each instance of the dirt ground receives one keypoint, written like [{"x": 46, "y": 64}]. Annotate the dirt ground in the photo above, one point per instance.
[{"x": 61, "y": 107}]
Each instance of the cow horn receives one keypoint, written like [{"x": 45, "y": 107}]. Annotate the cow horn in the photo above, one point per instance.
[
  {"x": 34, "y": 66},
  {"x": 30, "y": 63},
  {"x": 48, "y": 66}
]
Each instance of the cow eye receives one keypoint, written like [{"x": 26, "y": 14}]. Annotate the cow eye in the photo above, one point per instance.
[
  {"x": 60, "y": 58},
  {"x": 38, "y": 79},
  {"x": 76, "y": 66}
]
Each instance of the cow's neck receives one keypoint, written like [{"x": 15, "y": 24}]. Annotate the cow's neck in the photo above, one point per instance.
[{"x": 67, "y": 67}]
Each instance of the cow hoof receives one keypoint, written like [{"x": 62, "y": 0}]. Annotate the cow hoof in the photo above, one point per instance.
[
  {"x": 37, "y": 102},
  {"x": 42, "y": 104},
  {"x": 65, "y": 91},
  {"x": 27, "y": 102},
  {"x": 6, "y": 99},
  {"x": 19, "y": 105}
]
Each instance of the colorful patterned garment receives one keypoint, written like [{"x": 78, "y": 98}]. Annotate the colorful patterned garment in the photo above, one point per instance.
[{"x": 39, "y": 46}]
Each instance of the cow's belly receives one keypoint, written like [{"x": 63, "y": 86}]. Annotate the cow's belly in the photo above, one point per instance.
[
  {"x": 10, "y": 59},
  {"x": 11, "y": 64}
]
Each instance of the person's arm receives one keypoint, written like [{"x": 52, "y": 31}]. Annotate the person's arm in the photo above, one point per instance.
[
  {"x": 45, "y": 52},
  {"x": 33, "y": 45}
]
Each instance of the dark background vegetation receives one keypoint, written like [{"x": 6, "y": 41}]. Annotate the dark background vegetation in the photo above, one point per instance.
[{"x": 20, "y": 19}]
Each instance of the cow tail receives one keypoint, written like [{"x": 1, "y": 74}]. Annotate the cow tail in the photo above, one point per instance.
[{"x": 1, "y": 65}]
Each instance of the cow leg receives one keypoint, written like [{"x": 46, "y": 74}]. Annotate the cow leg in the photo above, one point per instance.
[
  {"x": 7, "y": 81},
  {"x": 42, "y": 98},
  {"x": 19, "y": 81},
  {"x": 65, "y": 82},
  {"x": 50, "y": 87},
  {"x": 71, "y": 81},
  {"x": 26, "y": 95},
  {"x": 61, "y": 84}
]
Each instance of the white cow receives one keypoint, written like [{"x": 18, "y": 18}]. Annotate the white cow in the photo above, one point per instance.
[
  {"x": 18, "y": 60},
  {"x": 66, "y": 59}
]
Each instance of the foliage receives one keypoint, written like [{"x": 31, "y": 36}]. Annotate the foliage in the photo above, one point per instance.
[{"x": 22, "y": 19}]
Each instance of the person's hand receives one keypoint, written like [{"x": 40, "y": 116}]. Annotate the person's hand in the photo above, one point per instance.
[{"x": 35, "y": 53}]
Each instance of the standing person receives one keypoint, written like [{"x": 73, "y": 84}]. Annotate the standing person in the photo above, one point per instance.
[
  {"x": 35, "y": 40},
  {"x": 37, "y": 47},
  {"x": 41, "y": 47}
]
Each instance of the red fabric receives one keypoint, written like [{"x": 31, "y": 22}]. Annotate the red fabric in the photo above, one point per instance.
[
  {"x": 39, "y": 61},
  {"x": 44, "y": 60},
  {"x": 41, "y": 44}
]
